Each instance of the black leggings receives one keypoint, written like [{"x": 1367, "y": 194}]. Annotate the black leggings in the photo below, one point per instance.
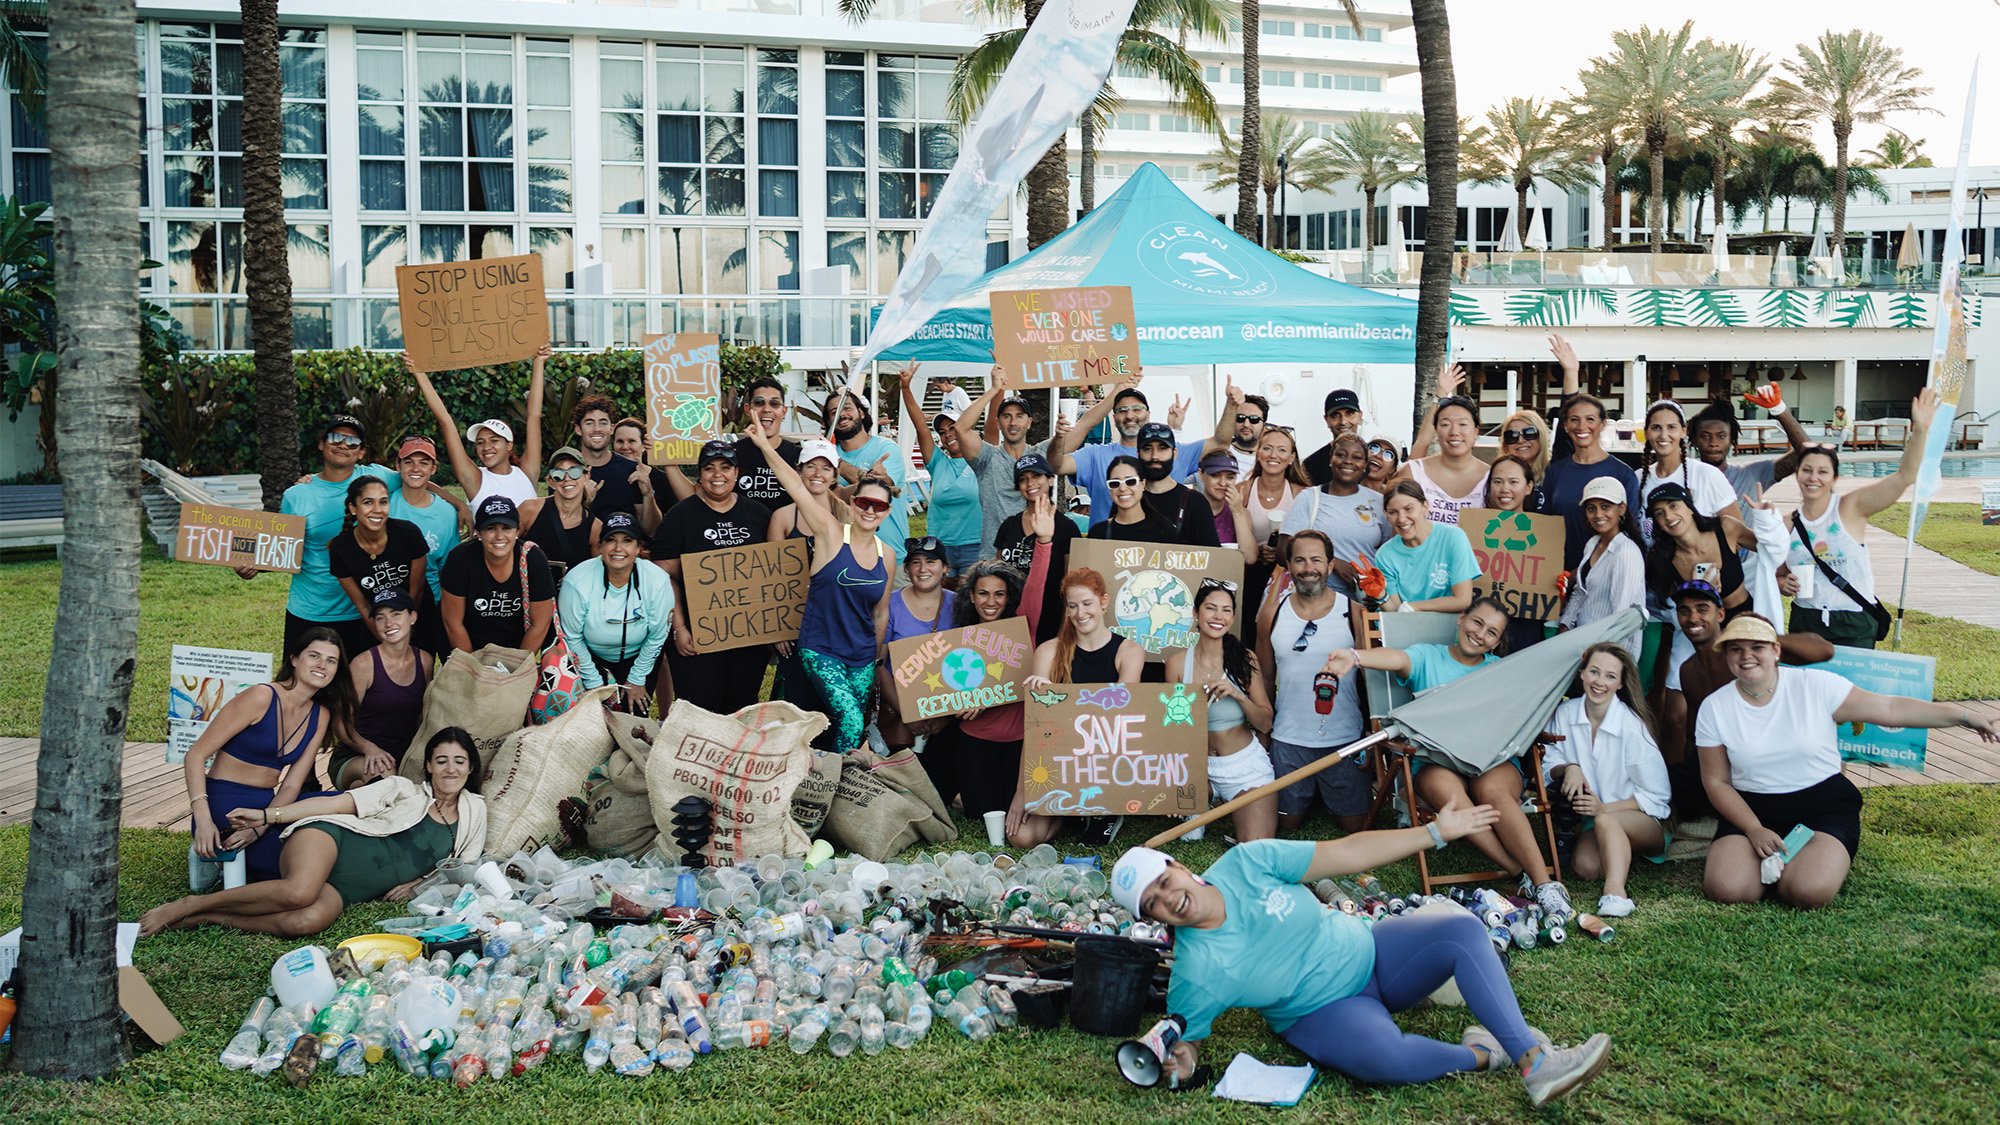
[
  {"x": 722, "y": 682},
  {"x": 986, "y": 772}
]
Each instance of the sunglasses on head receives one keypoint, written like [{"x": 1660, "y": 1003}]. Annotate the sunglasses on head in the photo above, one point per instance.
[
  {"x": 1217, "y": 584},
  {"x": 345, "y": 441},
  {"x": 1249, "y": 419},
  {"x": 1459, "y": 400},
  {"x": 927, "y": 544},
  {"x": 574, "y": 472},
  {"x": 1525, "y": 433},
  {"x": 874, "y": 505},
  {"x": 1122, "y": 482}
]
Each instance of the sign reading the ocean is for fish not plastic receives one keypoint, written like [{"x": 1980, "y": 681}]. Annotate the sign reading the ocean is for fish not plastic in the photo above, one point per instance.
[{"x": 1065, "y": 337}]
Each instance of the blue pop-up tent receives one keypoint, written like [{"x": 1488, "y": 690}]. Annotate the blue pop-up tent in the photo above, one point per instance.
[{"x": 1203, "y": 293}]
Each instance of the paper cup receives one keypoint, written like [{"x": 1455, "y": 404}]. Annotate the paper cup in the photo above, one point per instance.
[{"x": 996, "y": 827}]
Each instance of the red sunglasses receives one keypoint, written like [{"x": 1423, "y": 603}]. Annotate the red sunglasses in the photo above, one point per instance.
[{"x": 872, "y": 504}]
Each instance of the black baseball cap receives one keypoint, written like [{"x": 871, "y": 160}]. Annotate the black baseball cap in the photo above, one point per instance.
[
  {"x": 1032, "y": 463},
  {"x": 347, "y": 421},
  {"x": 1015, "y": 402},
  {"x": 1157, "y": 431},
  {"x": 1696, "y": 588},
  {"x": 619, "y": 523},
  {"x": 1672, "y": 490},
  {"x": 391, "y": 597},
  {"x": 1129, "y": 392},
  {"x": 1342, "y": 399},
  {"x": 929, "y": 546},
  {"x": 717, "y": 450},
  {"x": 496, "y": 509}
]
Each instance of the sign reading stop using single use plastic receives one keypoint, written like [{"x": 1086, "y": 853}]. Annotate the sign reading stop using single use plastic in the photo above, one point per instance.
[{"x": 1065, "y": 337}]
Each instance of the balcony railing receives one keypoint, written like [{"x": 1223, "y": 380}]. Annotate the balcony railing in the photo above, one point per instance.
[{"x": 1565, "y": 268}]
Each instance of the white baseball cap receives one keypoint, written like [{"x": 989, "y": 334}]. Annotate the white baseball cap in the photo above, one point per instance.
[
  {"x": 505, "y": 431},
  {"x": 819, "y": 449},
  {"x": 1607, "y": 489},
  {"x": 1133, "y": 873}
]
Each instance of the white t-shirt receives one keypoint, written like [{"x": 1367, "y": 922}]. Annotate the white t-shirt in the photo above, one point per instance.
[
  {"x": 514, "y": 485},
  {"x": 1784, "y": 746},
  {"x": 1711, "y": 490}
]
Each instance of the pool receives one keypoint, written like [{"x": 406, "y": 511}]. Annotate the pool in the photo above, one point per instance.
[{"x": 1882, "y": 464}]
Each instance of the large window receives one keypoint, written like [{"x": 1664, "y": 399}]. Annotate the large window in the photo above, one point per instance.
[
  {"x": 778, "y": 133},
  {"x": 698, "y": 126},
  {"x": 28, "y": 142},
  {"x": 201, "y": 115},
  {"x": 846, "y": 135},
  {"x": 915, "y": 144}
]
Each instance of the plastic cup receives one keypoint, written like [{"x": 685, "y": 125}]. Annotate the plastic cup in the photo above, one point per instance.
[{"x": 996, "y": 827}]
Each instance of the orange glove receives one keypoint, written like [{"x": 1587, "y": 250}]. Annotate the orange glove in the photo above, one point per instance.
[
  {"x": 1372, "y": 583},
  {"x": 1769, "y": 396},
  {"x": 1562, "y": 584}
]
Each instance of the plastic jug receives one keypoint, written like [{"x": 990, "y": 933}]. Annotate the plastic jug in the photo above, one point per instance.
[
  {"x": 303, "y": 977},
  {"x": 427, "y": 1004}
]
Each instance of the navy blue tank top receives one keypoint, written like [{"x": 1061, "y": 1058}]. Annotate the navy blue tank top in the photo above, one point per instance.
[{"x": 840, "y": 606}]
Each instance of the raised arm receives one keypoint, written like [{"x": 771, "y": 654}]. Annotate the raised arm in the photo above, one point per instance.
[
  {"x": 1225, "y": 419},
  {"x": 818, "y": 517},
  {"x": 531, "y": 456},
  {"x": 1876, "y": 495},
  {"x": 1566, "y": 359},
  {"x": 972, "y": 434},
  {"x": 1063, "y": 445},
  {"x": 462, "y": 465},
  {"x": 913, "y": 413},
  {"x": 1899, "y": 711},
  {"x": 1449, "y": 379},
  {"x": 1239, "y": 514},
  {"x": 1342, "y": 661},
  {"x": 1771, "y": 397}
]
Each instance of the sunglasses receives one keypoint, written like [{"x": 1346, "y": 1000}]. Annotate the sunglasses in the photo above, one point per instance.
[
  {"x": 1388, "y": 451},
  {"x": 1123, "y": 482},
  {"x": 344, "y": 441},
  {"x": 874, "y": 505},
  {"x": 928, "y": 545},
  {"x": 763, "y": 402},
  {"x": 1222, "y": 584},
  {"x": 1131, "y": 410},
  {"x": 1525, "y": 433},
  {"x": 1249, "y": 419},
  {"x": 1306, "y": 634},
  {"x": 574, "y": 472}
]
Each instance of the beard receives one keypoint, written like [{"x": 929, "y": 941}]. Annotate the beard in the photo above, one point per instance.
[
  {"x": 844, "y": 430},
  {"x": 1155, "y": 470},
  {"x": 1310, "y": 586}
]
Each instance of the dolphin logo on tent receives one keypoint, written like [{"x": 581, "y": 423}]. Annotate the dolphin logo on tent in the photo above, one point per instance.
[{"x": 1206, "y": 266}]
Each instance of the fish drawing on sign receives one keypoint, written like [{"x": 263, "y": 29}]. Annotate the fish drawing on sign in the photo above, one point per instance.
[
  {"x": 1206, "y": 266},
  {"x": 1048, "y": 698},
  {"x": 1109, "y": 698}
]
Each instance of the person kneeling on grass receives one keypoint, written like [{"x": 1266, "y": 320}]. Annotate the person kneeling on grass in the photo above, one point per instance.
[
  {"x": 378, "y": 841},
  {"x": 1608, "y": 766},
  {"x": 1247, "y": 934}
]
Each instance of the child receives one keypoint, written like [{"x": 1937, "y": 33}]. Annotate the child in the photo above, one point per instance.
[{"x": 1609, "y": 768}]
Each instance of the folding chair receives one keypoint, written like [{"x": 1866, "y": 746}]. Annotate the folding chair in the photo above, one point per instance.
[{"x": 1385, "y": 692}]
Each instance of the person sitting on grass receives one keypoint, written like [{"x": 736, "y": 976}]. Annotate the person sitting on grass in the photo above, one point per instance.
[
  {"x": 389, "y": 684},
  {"x": 375, "y": 842},
  {"x": 1608, "y": 766},
  {"x": 1247, "y": 934}
]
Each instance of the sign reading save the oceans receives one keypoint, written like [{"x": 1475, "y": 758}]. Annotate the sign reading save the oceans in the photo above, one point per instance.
[
  {"x": 1152, "y": 587},
  {"x": 977, "y": 666},
  {"x": 1520, "y": 560},
  {"x": 1115, "y": 750}
]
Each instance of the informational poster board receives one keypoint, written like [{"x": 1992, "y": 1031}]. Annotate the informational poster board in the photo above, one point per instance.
[
  {"x": 1115, "y": 750},
  {"x": 1885, "y": 673},
  {"x": 236, "y": 537},
  {"x": 1153, "y": 587},
  {"x": 199, "y": 682},
  {"x": 474, "y": 313},
  {"x": 743, "y": 596},
  {"x": 1989, "y": 504},
  {"x": 953, "y": 670},
  {"x": 683, "y": 395},
  {"x": 1065, "y": 337},
  {"x": 1520, "y": 560}
]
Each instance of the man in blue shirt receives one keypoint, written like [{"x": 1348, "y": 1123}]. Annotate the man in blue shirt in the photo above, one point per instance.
[
  {"x": 862, "y": 452},
  {"x": 1129, "y": 412}
]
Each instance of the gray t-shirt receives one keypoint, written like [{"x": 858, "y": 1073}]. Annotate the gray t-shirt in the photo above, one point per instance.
[
  {"x": 1745, "y": 476},
  {"x": 998, "y": 498},
  {"x": 1354, "y": 523}
]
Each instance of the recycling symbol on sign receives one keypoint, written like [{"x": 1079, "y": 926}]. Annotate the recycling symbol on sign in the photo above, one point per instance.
[{"x": 1504, "y": 524}]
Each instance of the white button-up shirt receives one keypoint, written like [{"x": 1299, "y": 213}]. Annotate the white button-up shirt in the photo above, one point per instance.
[{"x": 1622, "y": 762}]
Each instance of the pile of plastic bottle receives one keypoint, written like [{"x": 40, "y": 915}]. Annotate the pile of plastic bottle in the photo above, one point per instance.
[
  {"x": 744, "y": 957},
  {"x": 1510, "y": 922}
]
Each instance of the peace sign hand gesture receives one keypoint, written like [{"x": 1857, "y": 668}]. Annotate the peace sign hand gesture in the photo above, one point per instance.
[{"x": 1177, "y": 413}]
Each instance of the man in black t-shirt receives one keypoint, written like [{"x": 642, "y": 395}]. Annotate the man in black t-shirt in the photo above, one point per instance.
[
  {"x": 1343, "y": 414},
  {"x": 1183, "y": 510},
  {"x": 716, "y": 517},
  {"x": 623, "y": 485},
  {"x": 763, "y": 405}
]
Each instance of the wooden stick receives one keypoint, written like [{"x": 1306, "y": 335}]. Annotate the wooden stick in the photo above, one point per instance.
[{"x": 1262, "y": 791}]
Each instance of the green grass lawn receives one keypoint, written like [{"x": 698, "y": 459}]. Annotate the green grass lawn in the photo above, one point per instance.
[
  {"x": 1881, "y": 1007},
  {"x": 1952, "y": 530}
]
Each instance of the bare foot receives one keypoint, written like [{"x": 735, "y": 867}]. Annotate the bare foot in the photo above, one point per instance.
[{"x": 165, "y": 917}]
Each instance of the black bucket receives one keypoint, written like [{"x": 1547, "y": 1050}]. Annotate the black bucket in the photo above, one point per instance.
[{"x": 1114, "y": 979}]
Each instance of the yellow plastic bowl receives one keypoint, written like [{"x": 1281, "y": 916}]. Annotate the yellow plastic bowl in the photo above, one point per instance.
[{"x": 375, "y": 949}]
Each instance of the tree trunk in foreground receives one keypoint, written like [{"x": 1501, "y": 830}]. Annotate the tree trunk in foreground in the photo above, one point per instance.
[
  {"x": 1249, "y": 166},
  {"x": 266, "y": 261},
  {"x": 1440, "y": 95}
]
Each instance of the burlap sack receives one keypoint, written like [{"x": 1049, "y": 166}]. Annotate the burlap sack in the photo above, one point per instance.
[
  {"x": 884, "y": 805},
  {"x": 536, "y": 768},
  {"x": 815, "y": 793},
  {"x": 470, "y": 691},
  {"x": 746, "y": 765},
  {"x": 618, "y": 815}
]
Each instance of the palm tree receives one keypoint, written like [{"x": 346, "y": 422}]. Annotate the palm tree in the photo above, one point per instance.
[
  {"x": 1521, "y": 141},
  {"x": 21, "y": 61},
  {"x": 69, "y": 1026},
  {"x": 1595, "y": 130},
  {"x": 1722, "y": 118},
  {"x": 1376, "y": 152},
  {"x": 1305, "y": 166},
  {"x": 1897, "y": 150},
  {"x": 1432, "y": 25},
  {"x": 266, "y": 260},
  {"x": 1250, "y": 157},
  {"x": 1849, "y": 78}
]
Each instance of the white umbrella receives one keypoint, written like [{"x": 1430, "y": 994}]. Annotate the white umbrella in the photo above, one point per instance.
[
  {"x": 1399, "y": 253},
  {"x": 1721, "y": 251},
  {"x": 1908, "y": 257},
  {"x": 1510, "y": 239},
  {"x": 1538, "y": 231},
  {"x": 1819, "y": 245}
]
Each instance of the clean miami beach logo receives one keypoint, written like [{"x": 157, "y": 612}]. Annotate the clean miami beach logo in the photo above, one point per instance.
[{"x": 1195, "y": 260}]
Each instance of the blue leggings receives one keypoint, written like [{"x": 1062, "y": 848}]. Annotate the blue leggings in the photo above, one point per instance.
[
  {"x": 1414, "y": 954},
  {"x": 845, "y": 688}
]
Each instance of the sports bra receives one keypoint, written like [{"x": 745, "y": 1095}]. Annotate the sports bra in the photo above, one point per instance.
[
  {"x": 258, "y": 744},
  {"x": 1224, "y": 712}
]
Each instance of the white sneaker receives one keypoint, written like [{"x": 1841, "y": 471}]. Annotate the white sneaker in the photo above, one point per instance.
[
  {"x": 1196, "y": 834},
  {"x": 1478, "y": 1036},
  {"x": 1553, "y": 898},
  {"x": 1558, "y": 1070},
  {"x": 1614, "y": 906}
]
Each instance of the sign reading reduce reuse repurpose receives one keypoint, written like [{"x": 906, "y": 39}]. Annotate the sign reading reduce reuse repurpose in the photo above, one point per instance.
[
  {"x": 234, "y": 537},
  {"x": 471, "y": 314},
  {"x": 1520, "y": 560},
  {"x": 743, "y": 596},
  {"x": 1065, "y": 337},
  {"x": 1115, "y": 750},
  {"x": 953, "y": 670}
]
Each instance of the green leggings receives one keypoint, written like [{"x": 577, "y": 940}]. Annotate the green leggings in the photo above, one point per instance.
[{"x": 845, "y": 688}]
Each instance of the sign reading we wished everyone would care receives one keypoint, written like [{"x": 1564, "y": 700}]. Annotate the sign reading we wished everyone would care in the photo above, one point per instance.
[
  {"x": 743, "y": 596},
  {"x": 1115, "y": 750},
  {"x": 1153, "y": 586},
  {"x": 683, "y": 395},
  {"x": 199, "y": 682},
  {"x": 953, "y": 670},
  {"x": 471, "y": 314},
  {"x": 1520, "y": 560},
  {"x": 234, "y": 537},
  {"x": 1885, "y": 673},
  {"x": 1065, "y": 337}
]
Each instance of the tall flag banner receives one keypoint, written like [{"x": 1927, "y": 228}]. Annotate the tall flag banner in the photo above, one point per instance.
[
  {"x": 1948, "y": 366},
  {"x": 1057, "y": 71}
]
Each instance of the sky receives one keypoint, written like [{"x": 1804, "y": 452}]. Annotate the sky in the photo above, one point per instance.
[{"x": 1502, "y": 50}]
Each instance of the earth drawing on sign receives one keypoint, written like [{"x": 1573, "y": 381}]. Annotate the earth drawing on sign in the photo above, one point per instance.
[
  {"x": 1157, "y": 608},
  {"x": 963, "y": 669}
]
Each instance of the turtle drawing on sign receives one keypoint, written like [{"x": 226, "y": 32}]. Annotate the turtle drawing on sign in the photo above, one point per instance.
[
  {"x": 1179, "y": 706},
  {"x": 1518, "y": 523},
  {"x": 691, "y": 411}
]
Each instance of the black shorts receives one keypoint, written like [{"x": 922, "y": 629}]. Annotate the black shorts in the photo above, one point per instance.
[{"x": 1832, "y": 806}]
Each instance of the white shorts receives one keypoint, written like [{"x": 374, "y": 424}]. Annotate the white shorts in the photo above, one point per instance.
[
  {"x": 1679, "y": 653},
  {"x": 1232, "y": 774}
]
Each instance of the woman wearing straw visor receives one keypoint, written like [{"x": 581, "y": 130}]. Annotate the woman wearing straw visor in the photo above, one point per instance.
[{"x": 1248, "y": 934}]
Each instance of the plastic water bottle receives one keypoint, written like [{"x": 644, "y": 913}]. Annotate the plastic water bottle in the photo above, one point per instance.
[
  {"x": 747, "y": 1033},
  {"x": 808, "y": 1030},
  {"x": 839, "y": 987},
  {"x": 841, "y": 1041},
  {"x": 350, "y": 1060},
  {"x": 674, "y": 1053},
  {"x": 499, "y": 1056},
  {"x": 1005, "y": 1012},
  {"x": 899, "y": 1035},
  {"x": 631, "y": 1061},
  {"x": 873, "y": 1037},
  {"x": 376, "y": 1020},
  {"x": 470, "y": 1065},
  {"x": 597, "y": 1048},
  {"x": 243, "y": 1046},
  {"x": 970, "y": 1022},
  {"x": 280, "y": 1031}
]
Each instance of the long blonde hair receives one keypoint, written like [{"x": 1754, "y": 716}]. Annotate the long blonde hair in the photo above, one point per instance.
[{"x": 1546, "y": 441}]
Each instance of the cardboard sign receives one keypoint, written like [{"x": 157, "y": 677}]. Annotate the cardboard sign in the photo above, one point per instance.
[
  {"x": 1153, "y": 587},
  {"x": 1885, "y": 673},
  {"x": 1115, "y": 750},
  {"x": 743, "y": 596},
  {"x": 1065, "y": 337},
  {"x": 471, "y": 314},
  {"x": 199, "y": 682},
  {"x": 235, "y": 537},
  {"x": 1520, "y": 557},
  {"x": 956, "y": 670},
  {"x": 683, "y": 395}
]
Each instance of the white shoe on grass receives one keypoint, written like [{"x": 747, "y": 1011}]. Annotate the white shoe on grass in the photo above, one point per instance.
[
  {"x": 1480, "y": 1037},
  {"x": 1556, "y": 1071},
  {"x": 1614, "y": 906}
]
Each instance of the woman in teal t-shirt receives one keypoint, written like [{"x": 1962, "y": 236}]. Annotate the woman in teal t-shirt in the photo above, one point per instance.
[
  {"x": 1430, "y": 566},
  {"x": 1247, "y": 934},
  {"x": 952, "y": 514}
]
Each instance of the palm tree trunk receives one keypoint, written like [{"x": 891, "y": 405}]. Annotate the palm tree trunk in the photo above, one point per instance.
[
  {"x": 69, "y": 1025},
  {"x": 1842, "y": 131},
  {"x": 1368, "y": 195},
  {"x": 1605, "y": 155},
  {"x": 1048, "y": 180},
  {"x": 1270, "y": 241},
  {"x": 1249, "y": 166},
  {"x": 266, "y": 263},
  {"x": 1087, "y": 166},
  {"x": 1656, "y": 207},
  {"x": 1718, "y": 184},
  {"x": 1521, "y": 211},
  {"x": 1440, "y": 102}
]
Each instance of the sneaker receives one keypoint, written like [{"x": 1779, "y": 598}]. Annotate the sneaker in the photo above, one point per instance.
[
  {"x": 1099, "y": 831},
  {"x": 1614, "y": 906},
  {"x": 1196, "y": 834},
  {"x": 1553, "y": 898},
  {"x": 1478, "y": 1036},
  {"x": 1558, "y": 1070}
]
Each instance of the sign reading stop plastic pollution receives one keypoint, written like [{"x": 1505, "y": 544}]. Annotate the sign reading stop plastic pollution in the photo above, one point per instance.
[
  {"x": 471, "y": 314},
  {"x": 743, "y": 596},
  {"x": 237, "y": 537},
  {"x": 1520, "y": 560},
  {"x": 683, "y": 395},
  {"x": 199, "y": 682},
  {"x": 1065, "y": 337},
  {"x": 1115, "y": 750},
  {"x": 977, "y": 666},
  {"x": 1153, "y": 586},
  {"x": 1884, "y": 673}
]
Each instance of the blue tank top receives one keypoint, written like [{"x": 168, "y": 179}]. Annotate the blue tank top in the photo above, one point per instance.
[
  {"x": 840, "y": 606},
  {"x": 258, "y": 744},
  {"x": 1223, "y": 712},
  {"x": 903, "y": 624}
]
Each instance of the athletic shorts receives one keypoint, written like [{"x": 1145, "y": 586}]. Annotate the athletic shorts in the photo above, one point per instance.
[
  {"x": 1346, "y": 788},
  {"x": 1832, "y": 806},
  {"x": 1232, "y": 774}
]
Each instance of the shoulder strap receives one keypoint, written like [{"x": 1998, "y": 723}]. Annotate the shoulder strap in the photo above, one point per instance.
[{"x": 1831, "y": 575}]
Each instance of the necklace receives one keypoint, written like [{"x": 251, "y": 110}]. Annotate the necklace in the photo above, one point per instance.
[
  {"x": 1270, "y": 497},
  {"x": 1756, "y": 696}
]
